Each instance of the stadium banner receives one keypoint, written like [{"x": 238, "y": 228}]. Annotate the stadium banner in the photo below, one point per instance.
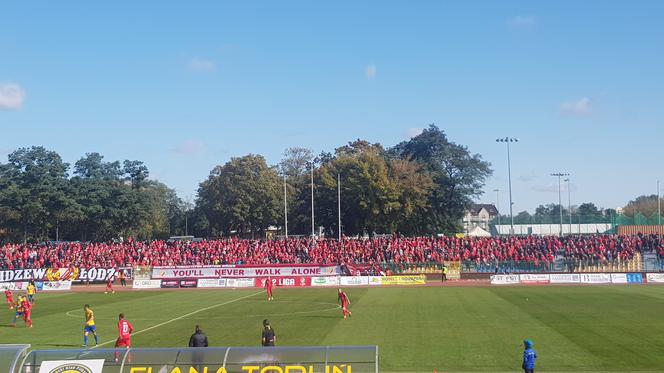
[
  {"x": 504, "y": 279},
  {"x": 565, "y": 278},
  {"x": 72, "y": 366},
  {"x": 13, "y": 286},
  {"x": 211, "y": 282},
  {"x": 167, "y": 284},
  {"x": 52, "y": 285},
  {"x": 375, "y": 280},
  {"x": 325, "y": 281},
  {"x": 595, "y": 278},
  {"x": 634, "y": 278},
  {"x": 354, "y": 281},
  {"x": 532, "y": 278},
  {"x": 93, "y": 274},
  {"x": 184, "y": 272},
  {"x": 146, "y": 284},
  {"x": 284, "y": 282},
  {"x": 618, "y": 278},
  {"x": 404, "y": 280},
  {"x": 240, "y": 282},
  {"x": 188, "y": 283},
  {"x": 655, "y": 277}
]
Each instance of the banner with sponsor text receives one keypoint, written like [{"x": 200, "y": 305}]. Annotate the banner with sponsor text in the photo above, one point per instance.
[
  {"x": 185, "y": 272},
  {"x": 534, "y": 278},
  {"x": 284, "y": 281},
  {"x": 404, "y": 280},
  {"x": 147, "y": 284},
  {"x": 655, "y": 277},
  {"x": 504, "y": 279}
]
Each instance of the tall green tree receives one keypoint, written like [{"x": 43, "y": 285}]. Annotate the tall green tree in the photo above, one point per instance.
[
  {"x": 458, "y": 176},
  {"x": 241, "y": 196}
]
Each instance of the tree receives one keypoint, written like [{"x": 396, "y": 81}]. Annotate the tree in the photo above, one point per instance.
[
  {"x": 458, "y": 176},
  {"x": 241, "y": 196},
  {"x": 588, "y": 209},
  {"x": 644, "y": 205}
]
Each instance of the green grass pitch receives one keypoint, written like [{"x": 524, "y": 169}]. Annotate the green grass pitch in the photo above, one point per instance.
[{"x": 450, "y": 329}]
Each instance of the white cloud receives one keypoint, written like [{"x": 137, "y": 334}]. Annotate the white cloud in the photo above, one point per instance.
[
  {"x": 370, "y": 71},
  {"x": 522, "y": 21},
  {"x": 412, "y": 132},
  {"x": 190, "y": 147},
  {"x": 11, "y": 96},
  {"x": 578, "y": 107},
  {"x": 201, "y": 64}
]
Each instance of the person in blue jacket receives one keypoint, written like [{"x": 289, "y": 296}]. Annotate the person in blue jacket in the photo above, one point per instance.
[{"x": 529, "y": 356}]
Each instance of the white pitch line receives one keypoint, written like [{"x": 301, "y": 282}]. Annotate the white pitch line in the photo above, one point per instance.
[{"x": 183, "y": 316}]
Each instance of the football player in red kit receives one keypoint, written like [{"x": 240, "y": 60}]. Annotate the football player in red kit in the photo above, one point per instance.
[
  {"x": 10, "y": 299},
  {"x": 109, "y": 286},
  {"x": 268, "y": 287},
  {"x": 345, "y": 302},
  {"x": 27, "y": 311},
  {"x": 124, "y": 334}
]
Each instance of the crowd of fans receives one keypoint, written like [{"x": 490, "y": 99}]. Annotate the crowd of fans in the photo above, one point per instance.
[{"x": 387, "y": 250}]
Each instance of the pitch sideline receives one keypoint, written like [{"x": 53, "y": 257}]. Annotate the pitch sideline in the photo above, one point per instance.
[{"x": 183, "y": 316}]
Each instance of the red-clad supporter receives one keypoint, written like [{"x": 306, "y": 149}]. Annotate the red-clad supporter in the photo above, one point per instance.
[{"x": 391, "y": 249}]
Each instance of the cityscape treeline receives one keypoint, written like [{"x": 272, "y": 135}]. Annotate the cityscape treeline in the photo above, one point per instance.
[{"x": 419, "y": 186}]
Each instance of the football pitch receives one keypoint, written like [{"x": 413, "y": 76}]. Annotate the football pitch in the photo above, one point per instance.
[{"x": 450, "y": 329}]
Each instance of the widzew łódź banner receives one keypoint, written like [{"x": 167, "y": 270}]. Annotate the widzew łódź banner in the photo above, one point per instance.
[
  {"x": 75, "y": 274},
  {"x": 243, "y": 271}
]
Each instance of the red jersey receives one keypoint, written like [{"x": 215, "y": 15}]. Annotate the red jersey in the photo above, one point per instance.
[
  {"x": 9, "y": 294},
  {"x": 109, "y": 283},
  {"x": 124, "y": 329},
  {"x": 343, "y": 298},
  {"x": 268, "y": 284},
  {"x": 27, "y": 306}
]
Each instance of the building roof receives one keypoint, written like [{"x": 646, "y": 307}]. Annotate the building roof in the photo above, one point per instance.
[{"x": 475, "y": 209}]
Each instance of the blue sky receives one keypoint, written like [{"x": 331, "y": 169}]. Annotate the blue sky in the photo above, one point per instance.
[{"x": 184, "y": 87}]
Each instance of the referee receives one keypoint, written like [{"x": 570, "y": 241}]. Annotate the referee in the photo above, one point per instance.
[{"x": 268, "y": 338}]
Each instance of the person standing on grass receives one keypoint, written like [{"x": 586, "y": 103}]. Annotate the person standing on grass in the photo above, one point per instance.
[
  {"x": 444, "y": 277},
  {"x": 269, "y": 337},
  {"x": 198, "y": 339},
  {"x": 268, "y": 288},
  {"x": 529, "y": 356}
]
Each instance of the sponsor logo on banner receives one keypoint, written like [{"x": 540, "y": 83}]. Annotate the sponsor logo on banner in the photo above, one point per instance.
[
  {"x": 188, "y": 283},
  {"x": 634, "y": 278},
  {"x": 13, "y": 286},
  {"x": 285, "y": 281},
  {"x": 354, "y": 281},
  {"x": 504, "y": 279},
  {"x": 147, "y": 284},
  {"x": 534, "y": 279},
  {"x": 619, "y": 278},
  {"x": 242, "y": 271},
  {"x": 595, "y": 278},
  {"x": 54, "y": 285},
  {"x": 240, "y": 282},
  {"x": 403, "y": 280},
  {"x": 655, "y": 277},
  {"x": 211, "y": 282},
  {"x": 565, "y": 278},
  {"x": 375, "y": 280},
  {"x": 170, "y": 284},
  {"x": 325, "y": 281},
  {"x": 72, "y": 366}
]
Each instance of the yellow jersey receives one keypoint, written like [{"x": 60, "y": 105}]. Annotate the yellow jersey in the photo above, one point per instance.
[
  {"x": 31, "y": 289},
  {"x": 89, "y": 317}
]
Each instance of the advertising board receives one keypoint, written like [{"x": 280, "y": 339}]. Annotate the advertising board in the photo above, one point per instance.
[
  {"x": 595, "y": 278},
  {"x": 211, "y": 282},
  {"x": 325, "y": 281},
  {"x": 565, "y": 278},
  {"x": 655, "y": 277},
  {"x": 534, "y": 278},
  {"x": 354, "y": 281},
  {"x": 504, "y": 279},
  {"x": 404, "y": 280},
  {"x": 146, "y": 284},
  {"x": 284, "y": 281}
]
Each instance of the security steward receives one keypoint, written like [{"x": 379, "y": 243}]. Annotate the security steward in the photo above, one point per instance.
[
  {"x": 268, "y": 338},
  {"x": 198, "y": 339},
  {"x": 444, "y": 273}
]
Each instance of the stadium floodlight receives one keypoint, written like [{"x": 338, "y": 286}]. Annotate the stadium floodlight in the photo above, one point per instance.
[
  {"x": 507, "y": 141},
  {"x": 569, "y": 205},
  {"x": 560, "y": 198}
]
